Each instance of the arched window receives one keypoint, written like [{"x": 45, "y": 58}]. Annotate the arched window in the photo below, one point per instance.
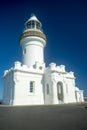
[
  {"x": 48, "y": 89},
  {"x": 66, "y": 88},
  {"x": 60, "y": 91},
  {"x": 59, "y": 88}
]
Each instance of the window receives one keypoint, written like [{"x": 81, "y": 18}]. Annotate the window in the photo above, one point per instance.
[
  {"x": 33, "y": 24},
  {"x": 40, "y": 68},
  {"x": 37, "y": 25},
  {"x": 24, "y": 51},
  {"x": 32, "y": 84},
  {"x": 59, "y": 87},
  {"x": 66, "y": 88},
  {"x": 29, "y": 24},
  {"x": 60, "y": 91},
  {"x": 47, "y": 88}
]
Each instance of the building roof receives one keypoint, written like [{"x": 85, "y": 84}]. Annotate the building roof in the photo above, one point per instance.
[{"x": 32, "y": 18}]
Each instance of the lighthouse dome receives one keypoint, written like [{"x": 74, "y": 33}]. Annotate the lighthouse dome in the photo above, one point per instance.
[
  {"x": 33, "y": 23},
  {"x": 33, "y": 17}
]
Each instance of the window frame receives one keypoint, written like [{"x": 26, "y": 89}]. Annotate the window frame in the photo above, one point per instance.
[
  {"x": 24, "y": 51},
  {"x": 32, "y": 87},
  {"x": 47, "y": 89}
]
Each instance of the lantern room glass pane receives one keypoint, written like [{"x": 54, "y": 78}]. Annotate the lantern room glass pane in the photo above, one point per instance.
[
  {"x": 37, "y": 25},
  {"x": 29, "y": 24},
  {"x": 32, "y": 24}
]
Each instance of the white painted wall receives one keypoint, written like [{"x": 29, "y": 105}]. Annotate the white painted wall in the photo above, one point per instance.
[
  {"x": 55, "y": 74},
  {"x": 8, "y": 93},
  {"x": 17, "y": 83},
  {"x": 34, "y": 50},
  {"x": 22, "y": 85},
  {"x": 19, "y": 79}
]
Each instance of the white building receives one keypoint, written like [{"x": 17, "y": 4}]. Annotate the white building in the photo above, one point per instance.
[{"x": 31, "y": 82}]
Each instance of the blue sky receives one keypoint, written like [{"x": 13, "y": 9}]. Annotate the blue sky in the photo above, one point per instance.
[{"x": 65, "y": 25}]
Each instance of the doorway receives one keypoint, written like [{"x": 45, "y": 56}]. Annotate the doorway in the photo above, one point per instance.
[{"x": 60, "y": 92}]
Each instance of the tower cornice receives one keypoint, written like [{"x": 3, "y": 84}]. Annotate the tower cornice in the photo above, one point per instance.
[{"x": 33, "y": 33}]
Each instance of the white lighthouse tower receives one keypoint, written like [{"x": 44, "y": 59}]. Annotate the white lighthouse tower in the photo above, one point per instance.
[{"x": 33, "y": 41}]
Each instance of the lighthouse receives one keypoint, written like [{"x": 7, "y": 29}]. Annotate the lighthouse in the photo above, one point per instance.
[
  {"x": 33, "y": 41},
  {"x": 30, "y": 82}
]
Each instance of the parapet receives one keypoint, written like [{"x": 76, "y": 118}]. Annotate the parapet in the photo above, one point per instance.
[
  {"x": 37, "y": 68},
  {"x": 70, "y": 75},
  {"x": 52, "y": 66},
  {"x": 60, "y": 68},
  {"x": 38, "y": 65},
  {"x": 17, "y": 64}
]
